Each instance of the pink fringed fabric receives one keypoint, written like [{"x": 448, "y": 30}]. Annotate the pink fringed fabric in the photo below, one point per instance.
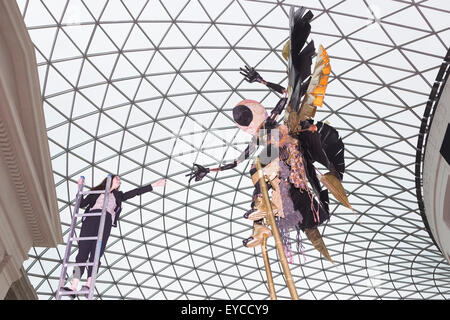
[
  {"x": 288, "y": 253},
  {"x": 300, "y": 247},
  {"x": 314, "y": 211}
]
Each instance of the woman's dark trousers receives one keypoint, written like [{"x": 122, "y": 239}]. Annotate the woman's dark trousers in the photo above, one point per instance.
[{"x": 86, "y": 248}]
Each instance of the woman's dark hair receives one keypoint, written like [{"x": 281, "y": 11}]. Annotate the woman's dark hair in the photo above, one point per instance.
[{"x": 102, "y": 185}]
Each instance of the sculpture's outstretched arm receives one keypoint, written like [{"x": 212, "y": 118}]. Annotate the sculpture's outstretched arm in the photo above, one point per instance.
[
  {"x": 250, "y": 75},
  {"x": 200, "y": 172}
]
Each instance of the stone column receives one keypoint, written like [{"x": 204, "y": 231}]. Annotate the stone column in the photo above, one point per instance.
[{"x": 28, "y": 204}]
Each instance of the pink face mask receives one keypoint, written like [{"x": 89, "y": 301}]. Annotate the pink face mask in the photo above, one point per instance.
[{"x": 249, "y": 116}]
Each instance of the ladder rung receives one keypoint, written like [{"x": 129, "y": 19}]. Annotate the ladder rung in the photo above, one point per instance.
[
  {"x": 70, "y": 293},
  {"x": 66, "y": 293},
  {"x": 93, "y": 192},
  {"x": 82, "y": 292},
  {"x": 83, "y": 238},
  {"x": 88, "y": 215},
  {"x": 80, "y": 264}
]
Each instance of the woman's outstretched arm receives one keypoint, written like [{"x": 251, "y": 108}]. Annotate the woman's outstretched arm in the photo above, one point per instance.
[{"x": 141, "y": 190}]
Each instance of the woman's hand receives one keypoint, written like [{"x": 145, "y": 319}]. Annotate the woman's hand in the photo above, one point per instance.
[
  {"x": 159, "y": 183},
  {"x": 81, "y": 181}
]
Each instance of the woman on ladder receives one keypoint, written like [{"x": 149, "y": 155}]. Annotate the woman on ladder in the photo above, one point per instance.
[{"x": 90, "y": 225}]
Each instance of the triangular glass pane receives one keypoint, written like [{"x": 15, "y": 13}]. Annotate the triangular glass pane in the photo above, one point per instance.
[
  {"x": 146, "y": 91},
  {"x": 346, "y": 7},
  {"x": 155, "y": 31},
  {"x": 193, "y": 32},
  {"x": 124, "y": 69},
  {"x": 82, "y": 107},
  {"x": 64, "y": 47},
  {"x": 413, "y": 82},
  {"x": 101, "y": 43},
  {"x": 38, "y": 15},
  {"x": 373, "y": 33},
  {"x": 274, "y": 17},
  {"x": 420, "y": 62},
  {"x": 135, "y": 7},
  {"x": 78, "y": 136},
  {"x": 194, "y": 62},
  {"x": 95, "y": 94},
  {"x": 197, "y": 79},
  {"x": 118, "y": 32},
  {"x": 176, "y": 57},
  {"x": 256, "y": 11},
  {"x": 119, "y": 114},
  {"x": 52, "y": 117},
  {"x": 159, "y": 64},
  {"x": 154, "y": 11},
  {"x": 107, "y": 125},
  {"x": 323, "y": 23},
  {"x": 151, "y": 107},
  {"x": 362, "y": 73},
  {"x": 214, "y": 9},
  {"x": 90, "y": 75},
  {"x": 402, "y": 34},
  {"x": 233, "y": 33},
  {"x": 137, "y": 40},
  {"x": 174, "y": 38},
  {"x": 137, "y": 116},
  {"x": 70, "y": 69},
  {"x": 115, "y": 11},
  {"x": 343, "y": 50},
  {"x": 212, "y": 38},
  {"x": 56, "y": 83},
  {"x": 393, "y": 58},
  {"x": 129, "y": 87},
  {"x": 388, "y": 75},
  {"x": 253, "y": 39},
  {"x": 349, "y": 24},
  {"x": 80, "y": 35},
  {"x": 408, "y": 14},
  {"x": 193, "y": 11},
  {"x": 114, "y": 97}
]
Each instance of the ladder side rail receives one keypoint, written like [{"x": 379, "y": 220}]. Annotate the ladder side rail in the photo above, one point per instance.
[
  {"x": 99, "y": 238},
  {"x": 69, "y": 239}
]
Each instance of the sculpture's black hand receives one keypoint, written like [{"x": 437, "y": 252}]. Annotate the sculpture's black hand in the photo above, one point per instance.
[
  {"x": 250, "y": 74},
  {"x": 198, "y": 173}
]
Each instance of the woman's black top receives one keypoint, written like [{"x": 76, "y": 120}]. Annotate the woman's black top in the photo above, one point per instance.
[{"x": 120, "y": 196}]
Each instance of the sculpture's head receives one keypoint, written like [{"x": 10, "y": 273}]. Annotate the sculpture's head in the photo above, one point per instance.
[{"x": 249, "y": 115}]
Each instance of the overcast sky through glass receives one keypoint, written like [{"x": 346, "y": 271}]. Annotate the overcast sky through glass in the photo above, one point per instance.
[{"x": 145, "y": 88}]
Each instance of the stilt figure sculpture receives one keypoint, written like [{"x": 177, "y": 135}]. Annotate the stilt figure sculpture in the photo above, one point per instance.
[{"x": 291, "y": 148}]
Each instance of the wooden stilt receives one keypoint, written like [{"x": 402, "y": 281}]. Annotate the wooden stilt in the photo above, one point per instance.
[
  {"x": 270, "y": 284},
  {"x": 276, "y": 234}
]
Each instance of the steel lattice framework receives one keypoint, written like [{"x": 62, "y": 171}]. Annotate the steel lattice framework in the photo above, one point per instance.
[{"x": 145, "y": 88}]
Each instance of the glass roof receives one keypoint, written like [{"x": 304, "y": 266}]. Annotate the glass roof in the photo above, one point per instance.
[{"x": 145, "y": 88}]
